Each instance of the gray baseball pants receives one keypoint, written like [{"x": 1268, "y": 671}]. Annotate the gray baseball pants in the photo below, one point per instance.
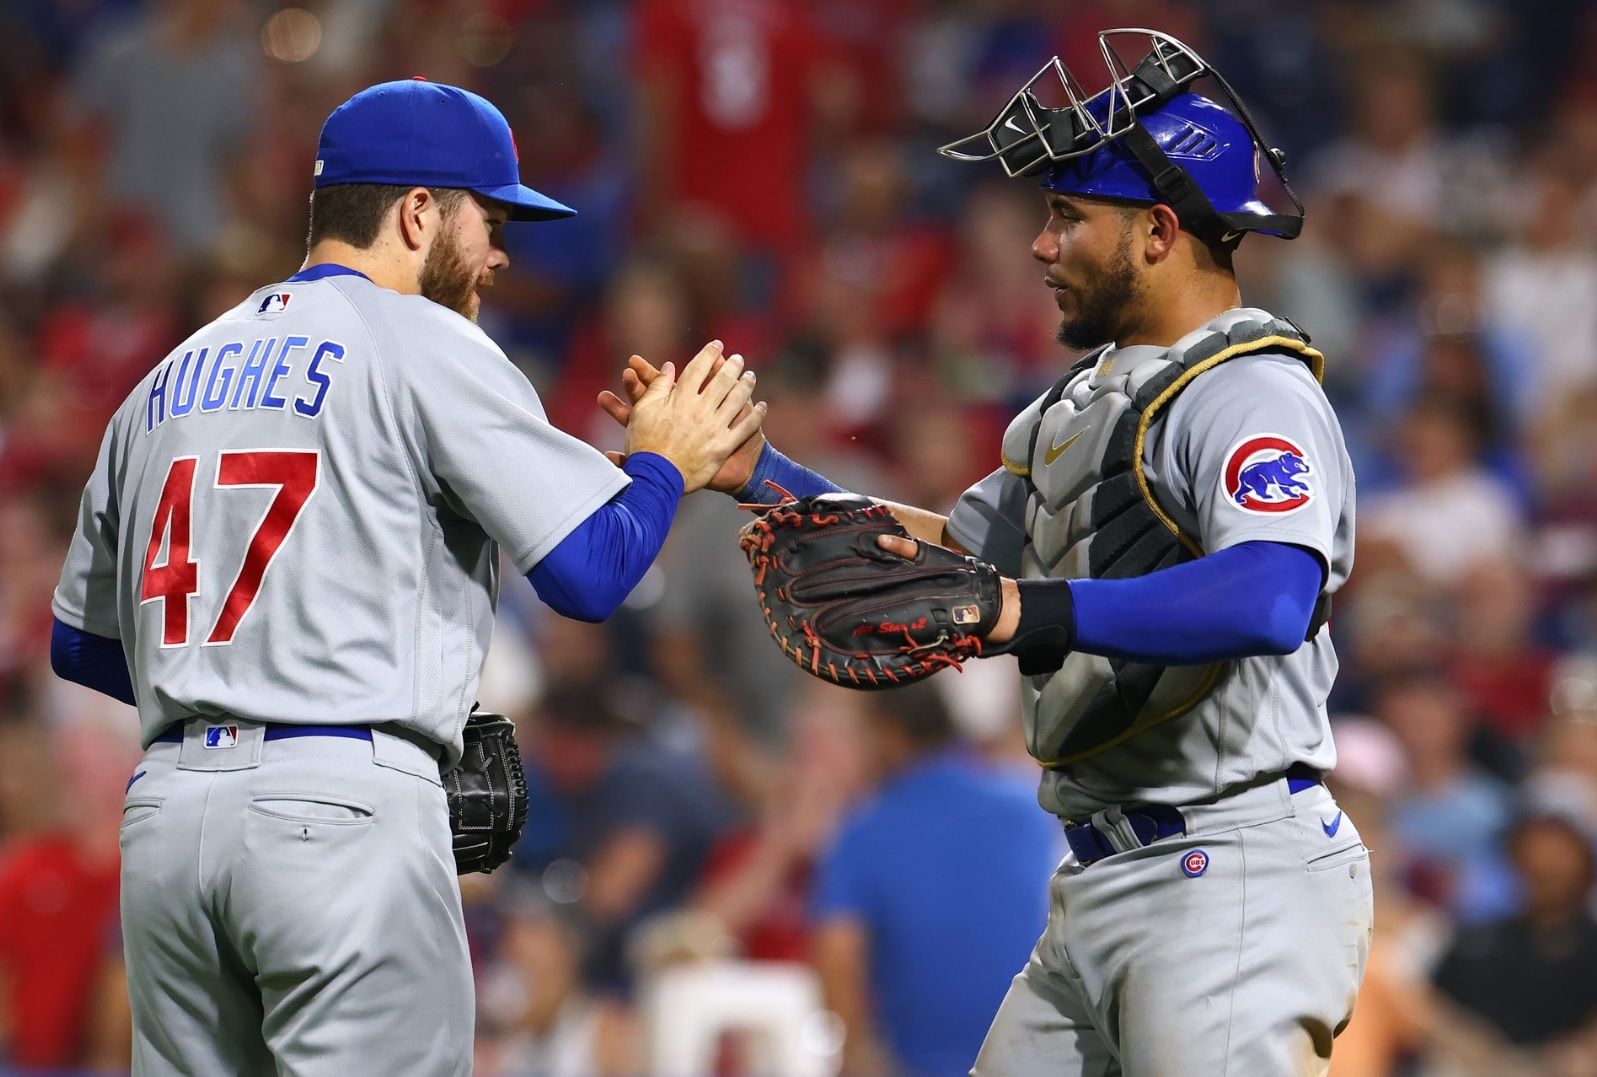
[
  {"x": 291, "y": 907},
  {"x": 1247, "y": 968}
]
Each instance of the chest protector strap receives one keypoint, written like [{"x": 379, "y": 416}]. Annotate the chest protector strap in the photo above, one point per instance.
[{"x": 1130, "y": 534}]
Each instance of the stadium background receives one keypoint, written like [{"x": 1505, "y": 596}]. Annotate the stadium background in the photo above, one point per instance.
[{"x": 763, "y": 171}]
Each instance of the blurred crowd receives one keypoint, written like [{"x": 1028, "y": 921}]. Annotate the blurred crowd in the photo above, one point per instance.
[{"x": 703, "y": 816}]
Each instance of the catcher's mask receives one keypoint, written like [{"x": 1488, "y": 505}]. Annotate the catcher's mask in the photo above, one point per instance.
[{"x": 1146, "y": 137}]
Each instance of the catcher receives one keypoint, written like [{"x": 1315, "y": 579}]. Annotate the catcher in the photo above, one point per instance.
[{"x": 1158, "y": 548}]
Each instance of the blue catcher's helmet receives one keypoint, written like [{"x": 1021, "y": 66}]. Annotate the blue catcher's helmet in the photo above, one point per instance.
[
  {"x": 1145, "y": 138},
  {"x": 1210, "y": 144}
]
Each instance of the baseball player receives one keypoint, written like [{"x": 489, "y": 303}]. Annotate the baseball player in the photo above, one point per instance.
[
  {"x": 287, "y": 559},
  {"x": 1169, "y": 521}
]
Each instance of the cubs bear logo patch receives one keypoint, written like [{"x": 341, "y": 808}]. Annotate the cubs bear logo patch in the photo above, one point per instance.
[{"x": 1267, "y": 473}]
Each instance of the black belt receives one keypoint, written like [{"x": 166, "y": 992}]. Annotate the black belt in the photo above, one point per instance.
[
  {"x": 173, "y": 734},
  {"x": 1154, "y": 822}
]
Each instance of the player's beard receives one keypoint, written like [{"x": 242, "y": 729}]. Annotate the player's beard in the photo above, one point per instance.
[
  {"x": 1107, "y": 304},
  {"x": 447, "y": 280}
]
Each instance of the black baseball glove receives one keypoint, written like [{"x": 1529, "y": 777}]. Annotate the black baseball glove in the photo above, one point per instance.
[
  {"x": 849, "y": 611},
  {"x": 487, "y": 794}
]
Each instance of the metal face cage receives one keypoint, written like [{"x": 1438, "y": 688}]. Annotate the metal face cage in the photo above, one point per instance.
[{"x": 1027, "y": 136}]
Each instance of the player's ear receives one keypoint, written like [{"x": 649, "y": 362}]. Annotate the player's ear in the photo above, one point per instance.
[
  {"x": 1161, "y": 228},
  {"x": 414, "y": 209}
]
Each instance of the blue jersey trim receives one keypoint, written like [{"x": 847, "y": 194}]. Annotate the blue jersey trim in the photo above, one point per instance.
[
  {"x": 323, "y": 271},
  {"x": 173, "y": 734}
]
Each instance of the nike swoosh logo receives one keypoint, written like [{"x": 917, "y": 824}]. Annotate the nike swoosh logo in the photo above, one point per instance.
[
  {"x": 1054, "y": 452},
  {"x": 1013, "y": 126},
  {"x": 1333, "y": 826}
]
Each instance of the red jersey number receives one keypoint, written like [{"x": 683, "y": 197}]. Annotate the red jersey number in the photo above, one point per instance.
[
  {"x": 178, "y": 577},
  {"x": 173, "y": 581}
]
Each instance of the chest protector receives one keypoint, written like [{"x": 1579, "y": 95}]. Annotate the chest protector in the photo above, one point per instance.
[{"x": 1091, "y": 512}]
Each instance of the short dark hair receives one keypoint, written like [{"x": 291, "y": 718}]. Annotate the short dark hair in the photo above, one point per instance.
[{"x": 353, "y": 212}]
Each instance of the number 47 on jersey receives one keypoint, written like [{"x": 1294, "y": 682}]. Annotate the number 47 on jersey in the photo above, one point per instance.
[{"x": 173, "y": 581}]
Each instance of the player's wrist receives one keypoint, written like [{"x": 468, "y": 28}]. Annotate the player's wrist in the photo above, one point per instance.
[
  {"x": 1044, "y": 623},
  {"x": 774, "y": 476},
  {"x": 733, "y": 476},
  {"x": 753, "y": 491},
  {"x": 647, "y": 464},
  {"x": 682, "y": 459},
  {"x": 1008, "y": 614}
]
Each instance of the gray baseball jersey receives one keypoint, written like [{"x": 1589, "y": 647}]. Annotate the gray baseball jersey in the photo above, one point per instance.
[
  {"x": 1264, "y": 713},
  {"x": 296, "y": 515}
]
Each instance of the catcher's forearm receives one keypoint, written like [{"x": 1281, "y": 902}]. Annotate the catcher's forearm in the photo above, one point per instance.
[
  {"x": 775, "y": 475},
  {"x": 775, "y": 478},
  {"x": 923, "y": 524}
]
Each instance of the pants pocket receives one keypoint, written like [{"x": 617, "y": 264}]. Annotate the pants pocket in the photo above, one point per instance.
[
  {"x": 139, "y": 809},
  {"x": 313, "y": 808},
  {"x": 1349, "y": 853}
]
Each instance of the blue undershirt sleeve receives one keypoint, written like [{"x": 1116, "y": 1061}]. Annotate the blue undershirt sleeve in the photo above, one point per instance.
[
  {"x": 592, "y": 570},
  {"x": 774, "y": 470},
  {"x": 93, "y": 661},
  {"x": 1254, "y": 598}
]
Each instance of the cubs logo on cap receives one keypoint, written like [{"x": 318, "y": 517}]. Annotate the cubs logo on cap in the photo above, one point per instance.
[
  {"x": 1267, "y": 473},
  {"x": 1195, "y": 863}
]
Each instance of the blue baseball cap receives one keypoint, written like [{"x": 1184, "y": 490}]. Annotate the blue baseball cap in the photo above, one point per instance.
[{"x": 415, "y": 133}]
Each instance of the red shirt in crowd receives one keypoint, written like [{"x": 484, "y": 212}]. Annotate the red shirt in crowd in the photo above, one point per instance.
[
  {"x": 732, "y": 81},
  {"x": 783, "y": 932},
  {"x": 58, "y": 920}
]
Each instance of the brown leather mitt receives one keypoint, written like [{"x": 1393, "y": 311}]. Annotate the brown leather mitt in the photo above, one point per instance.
[{"x": 849, "y": 611}]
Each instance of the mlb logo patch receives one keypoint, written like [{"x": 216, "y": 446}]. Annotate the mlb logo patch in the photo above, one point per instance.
[
  {"x": 275, "y": 303},
  {"x": 1267, "y": 473},
  {"x": 221, "y": 736}
]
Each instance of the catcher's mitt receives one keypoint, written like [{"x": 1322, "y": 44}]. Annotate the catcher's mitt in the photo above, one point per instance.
[
  {"x": 487, "y": 794},
  {"x": 847, "y": 610}
]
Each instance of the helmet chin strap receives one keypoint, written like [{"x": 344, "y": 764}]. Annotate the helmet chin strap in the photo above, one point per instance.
[
  {"x": 1287, "y": 225},
  {"x": 1198, "y": 215},
  {"x": 1175, "y": 186}
]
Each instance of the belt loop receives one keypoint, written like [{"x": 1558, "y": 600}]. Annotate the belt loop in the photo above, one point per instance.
[
  {"x": 408, "y": 751},
  {"x": 1117, "y": 828}
]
